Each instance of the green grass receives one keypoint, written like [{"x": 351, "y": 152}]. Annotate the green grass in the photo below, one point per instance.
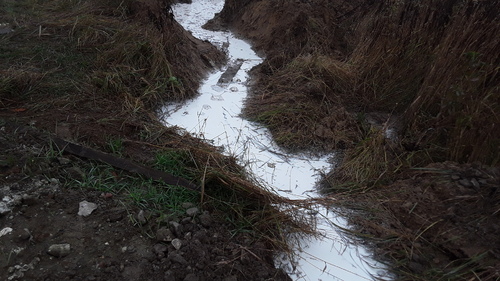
[
  {"x": 115, "y": 145},
  {"x": 176, "y": 162},
  {"x": 146, "y": 194}
]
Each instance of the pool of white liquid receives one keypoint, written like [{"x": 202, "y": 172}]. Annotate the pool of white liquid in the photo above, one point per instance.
[{"x": 215, "y": 116}]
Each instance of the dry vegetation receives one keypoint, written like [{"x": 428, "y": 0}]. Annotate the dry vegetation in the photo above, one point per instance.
[
  {"x": 94, "y": 72},
  {"x": 338, "y": 75}
]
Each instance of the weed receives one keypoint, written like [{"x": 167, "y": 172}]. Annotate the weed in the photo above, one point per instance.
[
  {"x": 160, "y": 198},
  {"x": 175, "y": 162},
  {"x": 116, "y": 146}
]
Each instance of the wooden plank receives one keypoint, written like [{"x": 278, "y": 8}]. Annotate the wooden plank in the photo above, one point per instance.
[{"x": 121, "y": 163}]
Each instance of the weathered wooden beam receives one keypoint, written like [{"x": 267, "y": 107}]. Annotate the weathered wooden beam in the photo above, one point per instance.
[{"x": 121, "y": 163}]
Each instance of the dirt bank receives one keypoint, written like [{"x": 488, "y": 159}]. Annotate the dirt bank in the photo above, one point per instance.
[
  {"x": 93, "y": 73},
  {"x": 410, "y": 89}
]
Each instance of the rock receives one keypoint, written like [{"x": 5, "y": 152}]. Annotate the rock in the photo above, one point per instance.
[
  {"x": 63, "y": 161},
  {"x": 76, "y": 173},
  {"x": 177, "y": 243},
  {"x": 4, "y": 209},
  {"x": 23, "y": 235},
  {"x": 141, "y": 218},
  {"x": 169, "y": 275},
  {"x": 465, "y": 183},
  {"x": 177, "y": 228},
  {"x": 86, "y": 208},
  {"x": 174, "y": 257},
  {"x": 164, "y": 234},
  {"x": 59, "y": 250},
  {"x": 191, "y": 277},
  {"x": 192, "y": 211},
  {"x": 5, "y": 231},
  {"x": 187, "y": 205},
  {"x": 475, "y": 183},
  {"x": 205, "y": 219},
  {"x": 29, "y": 199},
  {"x": 160, "y": 249}
]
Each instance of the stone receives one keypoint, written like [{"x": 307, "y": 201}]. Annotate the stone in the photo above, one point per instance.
[
  {"x": 177, "y": 228},
  {"x": 475, "y": 183},
  {"x": 192, "y": 211},
  {"x": 465, "y": 183},
  {"x": 169, "y": 275},
  {"x": 59, "y": 250},
  {"x": 187, "y": 205},
  {"x": 76, "y": 173},
  {"x": 63, "y": 161},
  {"x": 177, "y": 243},
  {"x": 141, "y": 218},
  {"x": 4, "y": 209},
  {"x": 5, "y": 231},
  {"x": 205, "y": 219},
  {"x": 86, "y": 208},
  {"x": 174, "y": 257},
  {"x": 160, "y": 249},
  {"x": 23, "y": 235},
  {"x": 29, "y": 199},
  {"x": 165, "y": 235}
]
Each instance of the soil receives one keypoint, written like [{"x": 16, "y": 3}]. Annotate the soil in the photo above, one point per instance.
[
  {"x": 433, "y": 222},
  {"x": 118, "y": 240},
  {"x": 42, "y": 234},
  {"x": 445, "y": 215}
]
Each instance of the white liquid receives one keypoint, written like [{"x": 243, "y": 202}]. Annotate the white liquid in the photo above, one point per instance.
[{"x": 214, "y": 116}]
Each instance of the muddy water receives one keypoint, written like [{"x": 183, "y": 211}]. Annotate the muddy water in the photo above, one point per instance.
[{"x": 215, "y": 116}]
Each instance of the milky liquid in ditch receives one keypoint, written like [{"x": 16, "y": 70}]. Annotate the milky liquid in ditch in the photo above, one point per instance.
[{"x": 214, "y": 116}]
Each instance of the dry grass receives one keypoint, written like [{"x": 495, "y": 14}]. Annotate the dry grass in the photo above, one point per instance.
[
  {"x": 434, "y": 63},
  {"x": 431, "y": 64},
  {"x": 105, "y": 66},
  {"x": 300, "y": 104}
]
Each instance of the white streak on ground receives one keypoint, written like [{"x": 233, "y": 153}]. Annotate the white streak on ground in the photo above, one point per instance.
[{"x": 214, "y": 116}]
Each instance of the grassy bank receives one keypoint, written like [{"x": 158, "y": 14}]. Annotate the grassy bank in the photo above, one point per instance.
[
  {"x": 394, "y": 87},
  {"x": 94, "y": 73}
]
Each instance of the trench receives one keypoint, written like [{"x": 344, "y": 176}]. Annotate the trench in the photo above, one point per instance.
[{"x": 215, "y": 116}]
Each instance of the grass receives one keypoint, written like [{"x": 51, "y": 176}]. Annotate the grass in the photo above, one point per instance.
[
  {"x": 86, "y": 48},
  {"x": 175, "y": 162},
  {"x": 430, "y": 65},
  {"x": 102, "y": 68}
]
